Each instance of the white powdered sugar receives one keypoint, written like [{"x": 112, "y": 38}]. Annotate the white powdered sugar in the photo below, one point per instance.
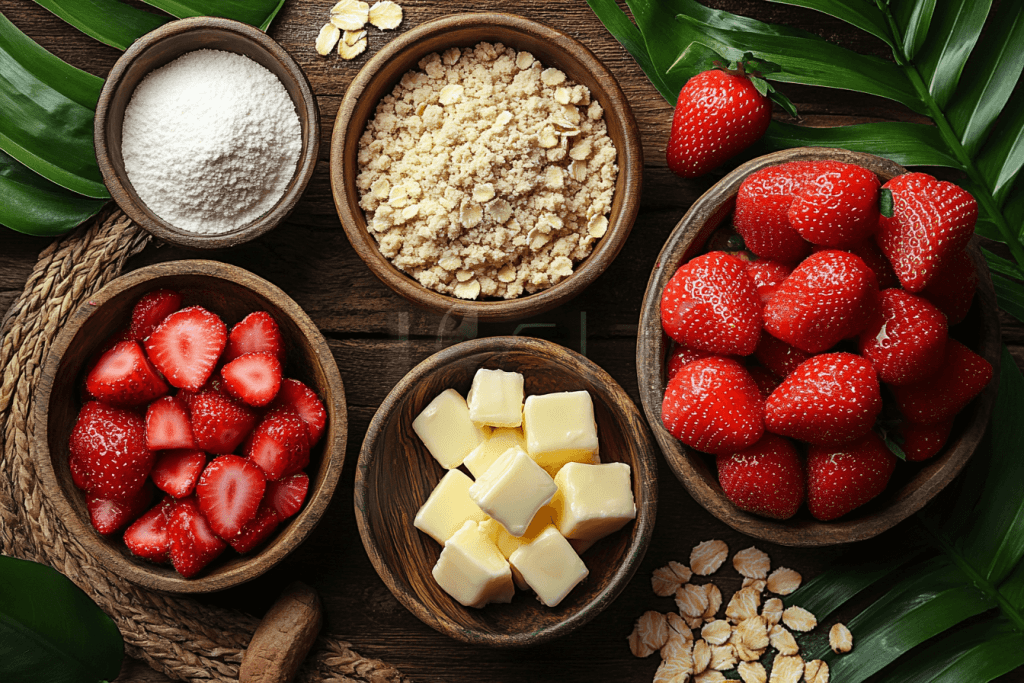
[{"x": 210, "y": 141}]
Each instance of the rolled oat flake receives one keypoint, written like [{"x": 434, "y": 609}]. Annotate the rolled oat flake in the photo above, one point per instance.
[{"x": 210, "y": 141}]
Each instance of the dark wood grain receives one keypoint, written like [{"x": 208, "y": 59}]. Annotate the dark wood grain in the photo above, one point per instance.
[
  {"x": 232, "y": 293},
  {"x": 553, "y": 49},
  {"x": 164, "y": 45},
  {"x": 284, "y": 637},
  {"x": 396, "y": 474}
]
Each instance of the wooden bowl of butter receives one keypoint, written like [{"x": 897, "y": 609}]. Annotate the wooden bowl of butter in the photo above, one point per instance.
[{"x": 520, "y": 526}]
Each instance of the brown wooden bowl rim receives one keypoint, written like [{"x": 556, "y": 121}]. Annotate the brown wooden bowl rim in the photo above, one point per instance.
[
  {"x": 286, "y": 540},
  {"x": 646, "y": 470},
  {"x": 117, "y": 180},
  {"x": 650, "y": 373},
  {"x": 630, "y": 162}
]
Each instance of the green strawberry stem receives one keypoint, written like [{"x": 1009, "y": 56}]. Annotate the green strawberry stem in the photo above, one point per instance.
[{"x": 981, "y": 192}]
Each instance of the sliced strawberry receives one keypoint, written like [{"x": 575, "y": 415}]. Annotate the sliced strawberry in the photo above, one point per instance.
[
  {"x": 176, "y": 472},
  {"x": 280, "y": 444},
  {"x": 952, "y": 289},
  {"x": 962, "y": 375},
  {"x": 185, "y": 347},
  {"x": 767, "y": 276},
  {"x": 253, "y": 378},
  {"x": 921, "y": 442},
  {"x": 124, "y": 377},
  {"x": 120, "y": 335},
  {"x": 682, "y": 355},
  {"x": 257, "y": 333},
  {"x": 905, "y": 339},
  {"x": 287, "y": 495},
  {"x": 108, "y": 516},
  {"x": 304, "y": 401},
  {"x": 147, "y": 536},
  {"x": 257, "y": 530},
  {"x": 767, "y": 478},
  {"x": 108, "y": 452},
  {"x": 168, "y": 425},
  {"x": 220, "y": 423},
  {"x": 841, "y": 479},
  {"x": 229, "y": 493},
  {"x": 192, "y": 543},
  {"x": 151, "y": 310},
  {"x": 778, "y": 356}
]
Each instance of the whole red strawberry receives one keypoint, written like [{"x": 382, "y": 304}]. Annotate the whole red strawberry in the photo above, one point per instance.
[
  {"x": 778, "y": 356},
  {"x": 761, "y": 216},
  {"x": 832, "y": 398},
  {"x": 962, "y": 375},
  {"x": 932, "y": 220},
  {"x": 840, "y": 480},
  {"x": 710, "y": 304},
  {"x": 836, "y": 205},
  {"x": 109, "y": 458},
  {"x": 680, "y": 356},
  {"x": 952, "y": 289},
  {"x": 874, "y": 259},
  {"x": 921, "y": 442},
  {"x": 767, "y": 276},
  {"x": 906, "y": 338},
  {"x": 829, "y": 297},
  {"x": 718, "y": 115},
  {"x": 714, "y": 406},
  {"x": 767, "y": 478}
]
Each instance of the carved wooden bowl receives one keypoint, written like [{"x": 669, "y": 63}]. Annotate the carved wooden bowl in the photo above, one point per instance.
[
  {"x": 163, "y": 45},
  {"x": 554, "y": 49},
  {"x": 913, "y": 484},
  {"x": 232, "y": 293},
  {"x": 396, "y": 473}
]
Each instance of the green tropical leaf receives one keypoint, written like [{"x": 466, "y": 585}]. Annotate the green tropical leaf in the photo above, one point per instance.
[
  {"x": 955, "y": 28},
  {"x": 51, "y": 631},
  {"x": 256, "y": 12},
  {"x": 1002, "y": 156},
  {"x": 916, "y": 17},
  {"x": 1009, "y": 295},
  {"x": 981, "y": 652},
  {"x": 863, "y": 15},
  {"x": 31, "y": 204},
  {"x": 108, "y": 21},
  {"x": 997, "y": 264}
]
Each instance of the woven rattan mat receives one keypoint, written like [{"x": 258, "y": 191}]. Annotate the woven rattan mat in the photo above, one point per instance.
[{"x": 185, "y": 639}]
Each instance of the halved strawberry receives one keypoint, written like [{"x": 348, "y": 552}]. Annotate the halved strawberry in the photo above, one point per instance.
[
  {"x": 841, "y": 479},
  {"x": 124, "y": 377},
  {"x": 186, "y": 346},
  {"x": 256, "y": 333},
  {"x": 921, "y": 442},
  {"x": 220, "y": 423},
  {"x": 253, "y": 378},
  {"x": 120, "y": 335},
  {"x": 229, "y": 494},
  {"x": 109, "y": 458},
  {"x": 147, "y": 536},
  {"x": 257, "y": 530},
  {"x": 304, "y": 401},
  {"x": 767, "y": 478},
  {"x": 280, "y": 444},
  {"x": 962, "y": 375},
  {"x": 168, "y": 425},
  {"x": 107, "y": 516},
  {"x": 176, "y": 472},
  {"x": 287, "y": 495},
  {"x": 151, "y": 310},
  {"x": 192, "y": 543}
]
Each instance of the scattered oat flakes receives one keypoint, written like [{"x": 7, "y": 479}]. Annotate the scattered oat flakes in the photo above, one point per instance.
[
  {"x": 784, "y": 581},
  {"x": 799, "y": 619},
  {"x": 816, "y": 672},
  {"x": 840, "y": 639},
  {"x": 752, "y": 672},
  {"x": 353, "y": 37},
  {"x": 708, "y": 556},
  {"x": 782, "y": 640},
  {"x": 327, "y": 39},
  {"x": 350, "y": 15},
  {"x": 695, "y": 623},
  {"x": 709, "y": 676},
  {"x": 744, "y": 653},
  {"x": 757, "y": 584},
  {"x": 636, "y": 642},
  {"x": 674, "y": 671},
  {"x": 701, "y": 656},
  {"x": 752, "y": 563},
  {"x": 772, "y": 611},
  {"x": 665, "y": 580},
  {"x": 716, "y": 632},
  {"x": 352, "y": 51},
  {"x": 754, "y": 633},
  {"x": 653, "y": 629},
  {"x": 714, "y": 600},
  {"x": 787, "y": 669},
  {"x": 385, "y": 15},
  {"x": 677, "y": 646},
  {"x": 743, "y": 605},
  {"x": 723, "y": 657},
  {"x": 692, "y": 600}
]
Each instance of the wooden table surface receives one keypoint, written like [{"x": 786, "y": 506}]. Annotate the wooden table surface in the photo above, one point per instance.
[{"x": 377, "y": 337}]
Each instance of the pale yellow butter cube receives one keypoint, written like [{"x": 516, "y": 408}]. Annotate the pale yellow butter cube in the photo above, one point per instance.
[
  {"x": 581, "y": 546},
  {"x": 549, "y": 566},
  {"x": 472, "y": 570},
  {"x": 512, "y": 490},
  {"x": 593, "y": 500},
  {"x": 496, "y": 398},
  {"x": 448, "y": 507},
  {"x": 499, "y": 441},
  {"x": 446, "y": 430},
  {"x": 507, "y": 543},
  {"x": 560, "y": 428}
]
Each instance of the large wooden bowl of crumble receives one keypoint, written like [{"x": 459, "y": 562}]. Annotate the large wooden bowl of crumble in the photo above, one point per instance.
[{"x": 486, "y": 165}]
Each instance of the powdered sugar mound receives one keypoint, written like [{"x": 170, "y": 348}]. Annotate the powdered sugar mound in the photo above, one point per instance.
[{"x": 210, "y": 141}]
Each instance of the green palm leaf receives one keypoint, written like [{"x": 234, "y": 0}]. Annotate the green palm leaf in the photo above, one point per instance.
[
  {"x": 31, "y": 204},
  {"x": 108, "y": 21}
]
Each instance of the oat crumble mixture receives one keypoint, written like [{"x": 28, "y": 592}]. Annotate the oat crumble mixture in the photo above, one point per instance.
[{"x": 486, "y": 174}]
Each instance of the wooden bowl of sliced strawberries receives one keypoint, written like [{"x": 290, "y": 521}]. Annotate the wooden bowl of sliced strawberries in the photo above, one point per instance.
[
  {"x": 819, "y": 345},
  {"x": 190, "y": 426}
]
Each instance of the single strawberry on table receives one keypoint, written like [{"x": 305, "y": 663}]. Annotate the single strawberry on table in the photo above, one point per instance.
[
  {"x": 124, "y": 377},
  {"x": 109, "y": 458},
  {"x": 767, "y": 478},
  {"x": 186, "y": 346},
  {"x": 841, "y": 479},
  {"x": 905, "y": 339}
]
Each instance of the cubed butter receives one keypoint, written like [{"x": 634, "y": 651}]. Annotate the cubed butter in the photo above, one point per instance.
[
  {"x": 448, "y": 508},
  {"x": 507, "y": 543},
  {"x": 581, "y": 546},
  {"x": 472, "y": 570},
  {"x": 549, "y": 566},
  {"x": 560, "y": 428},
  {"x": 593, "y": 500},
  {"x": 484, "y": 455},
  {"x": 512, "y": 490},
  {"x": 446, "y": 430},
  {"x": 496, "y": 398}
]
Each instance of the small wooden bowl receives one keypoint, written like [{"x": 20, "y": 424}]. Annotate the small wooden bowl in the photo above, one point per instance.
[
  {"x": 553, "y": 49},
  {"x": 232, "y": 293},
  {"x": 396, "y": 473},
  {"x": 163, "y": 45},
  {"x": 913, "y": 485}
]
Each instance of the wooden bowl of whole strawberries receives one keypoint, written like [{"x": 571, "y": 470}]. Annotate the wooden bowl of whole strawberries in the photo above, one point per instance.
[
  {"x": 190, "y": 426},
  {"x": 819, "y": 344}
]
